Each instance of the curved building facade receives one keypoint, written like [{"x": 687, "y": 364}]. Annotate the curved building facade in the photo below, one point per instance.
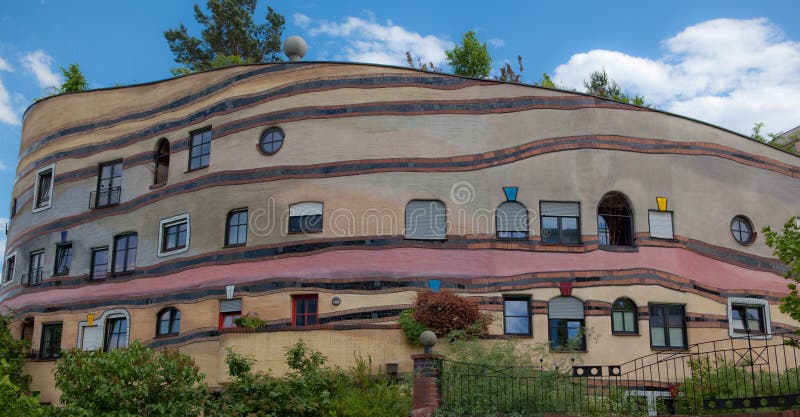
[{"x": 320, "y": 197}]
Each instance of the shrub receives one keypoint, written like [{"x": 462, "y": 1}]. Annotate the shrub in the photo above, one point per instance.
[
  {"x": 249, "y": 321},
  {"x": 444, "y": 312},
  {"x": 411, "y": 327},
  {"x": 364, "y": 394}
]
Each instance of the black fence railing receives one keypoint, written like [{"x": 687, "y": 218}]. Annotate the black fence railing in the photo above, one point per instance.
[
  {"x": 749, "y": 373},
  {"x": 33, "y": 277},
  {"x": 105, "y": 198}
]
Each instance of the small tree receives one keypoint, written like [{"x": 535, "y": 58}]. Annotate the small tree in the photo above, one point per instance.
[
  {"x": 229, "y": 37},
  {"x": 133, "y": 381},
  {"x": 508, "y": 74},
  {"x": 471, "y": 58},
  {"x": 73, "y": 79},
  {"x": 600, "y": 84},
  {"x": 786, "y": 246},
  {"x": 429, "y": 66},
  {"x": 445, "y": 312},
  {"x": 15, "y": 400}
]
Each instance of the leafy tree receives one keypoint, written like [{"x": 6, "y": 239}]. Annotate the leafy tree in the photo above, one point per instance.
[
  {"x": 73, "y": 80},
  {"x": 786, "y": 246},
  {"x": 230, "y": 37},
  {"x": 508, "y": 74},
  {"x": 776, "y": 140},
  {"x": 601, "y": 85},
  {"x": 15, "y": 400},
  {"x": 133, "y": 381},
  {"x": 546, "y": 81},
  {"x": 471, "y": 58}
]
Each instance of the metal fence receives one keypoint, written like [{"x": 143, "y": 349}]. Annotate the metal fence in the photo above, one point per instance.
[{"x": 723, "y": 376}]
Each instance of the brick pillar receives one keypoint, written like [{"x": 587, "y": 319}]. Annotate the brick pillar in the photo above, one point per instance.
[{"x": 427, "y": 394}]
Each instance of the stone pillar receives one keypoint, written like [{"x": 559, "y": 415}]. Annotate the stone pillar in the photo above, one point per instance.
[{"x": 427, "y": 393}]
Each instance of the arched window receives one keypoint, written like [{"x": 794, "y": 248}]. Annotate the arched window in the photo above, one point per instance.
[
  {"x": 169, "y": 322},
  {"x": 236, "y": 228},
  {"x": 624, "y": 317},
  {"x": 511, "y": 221},
  {"x": 162, "y": 162},
  {"x": 615, "y": 221},
  {"x": 305, "y": 218},
  {"x": 567, "y": 324},
  {"x": 426, "y": 219}
]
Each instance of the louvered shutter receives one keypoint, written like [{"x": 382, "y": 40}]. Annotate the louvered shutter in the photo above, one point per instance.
[
  {"x": 552, "y": 208},
  {"x": 565, "y": 308},
  {"x": 426, "y": 219},
  {"x": 512, "y": 217},
  {"x": 305, "y": 209},
  {"x": 230, "y": 306},
  {"x": 661, "y": 225}
]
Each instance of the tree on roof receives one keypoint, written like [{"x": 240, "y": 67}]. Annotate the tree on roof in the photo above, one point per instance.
[
  {"x": 471, "y": 58},
  {"x": 73, "y": 80},
  {"x": 230, "y": 37},
  {"x": 600, "y": 84}
]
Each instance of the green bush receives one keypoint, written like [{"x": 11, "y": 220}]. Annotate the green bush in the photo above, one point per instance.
[
  {"x": 411, "y": 327},
  {"x": 364, "y": 394},
  {"x": 249, "y": 321}
]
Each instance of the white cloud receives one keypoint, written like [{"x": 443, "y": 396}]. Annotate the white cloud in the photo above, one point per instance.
[
  {"x": 301, "y": 20},
  {"x": 497, "y": 42},
  {"x": 4, "y": 66},
  {"x": 369, "y": 41},
  {"x": 724, "y": 71},
  {"x": 39, "y": 63},
  {"x": 7, "y": 113}
]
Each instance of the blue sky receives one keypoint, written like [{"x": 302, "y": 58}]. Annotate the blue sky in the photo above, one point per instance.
[{"x": 730, "y": 63}]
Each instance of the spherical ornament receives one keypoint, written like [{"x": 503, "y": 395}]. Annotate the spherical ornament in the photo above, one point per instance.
[
  {"x": 295, "y": 48},
  {"x": 428, "y": 339}
]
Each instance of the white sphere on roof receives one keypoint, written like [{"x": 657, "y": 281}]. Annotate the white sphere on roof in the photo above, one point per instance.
[{"x": 295, "y": 48}]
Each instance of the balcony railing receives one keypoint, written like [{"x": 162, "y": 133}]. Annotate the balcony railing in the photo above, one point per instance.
[
  {"x": 34, "y": 277},
  {"x": 105, "y": 198}
]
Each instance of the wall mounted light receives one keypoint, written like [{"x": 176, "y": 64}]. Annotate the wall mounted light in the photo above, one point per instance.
[{"x": 90, "y": 319}]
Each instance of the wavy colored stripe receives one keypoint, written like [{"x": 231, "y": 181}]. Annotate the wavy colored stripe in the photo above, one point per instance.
[{"x": 450, "y": 164}]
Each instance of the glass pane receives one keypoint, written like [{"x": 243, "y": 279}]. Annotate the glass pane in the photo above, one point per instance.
[
  {"x": 676, "y": 337},
  {"x": 176, "y": 321},
  {"x": 617, "y": 321},
  {"x": 657, "y": 336},
  {"x": 311, "y": 319},
  {"x": 204, "y": 161},
  {"x": 550, "y": 229},
  {"x": 630, "y": 321},
  {"x": 116, "y": 170},
  {"x": 205, "y": 149},
  {"x": 573, "y": 328},
  {"x": 516, "y": 325},
  {"x": 516, "y": 308},
  {"x": 569, "y": 230},
  {"x": 300, "y": 306},
  {"x": 656, "y": 316},
  {"x": 163, "y": 325},
  {"x": 555, "y": 333},
  {"x": 312, "y": 305},
  {"x": 675, "y": 315},
  {"x": 300, "y": 320}
]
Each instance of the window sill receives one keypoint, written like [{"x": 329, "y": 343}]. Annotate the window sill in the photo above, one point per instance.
[
  {"x": 618, "y": 248},
  {"x": 301, "y": 232},
  {"x": 519, "y": 335},
  {"x": 624, "y": 334},
  {"x": 123, "y": 273},
  {"x": 159, "y": 185},
  {"x": 104, "y": 206},
  {"x": 669, "y": 349},
  {"x": 568, "y": 350},
  {"x": 166, "y": 336},
  {"x": 196, "y": 169},
  {"x": 238, "y": 245},
  {"x": 579, "y": 244}
]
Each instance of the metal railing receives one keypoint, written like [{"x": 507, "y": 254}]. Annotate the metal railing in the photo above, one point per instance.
[
  {"x": 32, "y": 278},
  {"x": 722, "y": 376},
  {"x": 105, "y": 198}
]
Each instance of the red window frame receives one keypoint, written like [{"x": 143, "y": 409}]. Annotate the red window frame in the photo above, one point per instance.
[
  {"x": 233, "y": 314},
  {"x": 306, "y": 313}
]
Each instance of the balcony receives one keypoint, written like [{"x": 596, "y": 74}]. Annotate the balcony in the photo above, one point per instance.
[
  {"x": 32, "y": 278},
  {"x": 105, "y": 198}
]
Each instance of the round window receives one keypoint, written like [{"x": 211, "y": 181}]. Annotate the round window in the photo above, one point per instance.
[
  {"x": 271, "y": 141},
  {"x": 742, "y": 230}
]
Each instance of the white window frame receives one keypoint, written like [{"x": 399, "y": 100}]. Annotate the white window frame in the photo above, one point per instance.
[
  {"x": 5, "y": 268},
  {"x": 764, "y": 304},
  {"x": 169, "y": 222},
  {"x": 100, "y": 323},
  {"x": 52, "y": 169}
]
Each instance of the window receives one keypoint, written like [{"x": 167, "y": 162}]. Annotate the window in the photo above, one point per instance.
[
  {"x": 667, "y": 326},
  {"x": 161, "y": 172},
  {"x": 615, "y": 221},
  {"x": 174, "y": 235},
  {"x": 169, "y": 322},
  {"x": 748, "y": 317},
  {"x": 36, "y": 268},
  {"x": 229, "y": 311},
  {"x": 50, "y": 346},
  {"x": 567, "y": 324},
  {"x": 236, "y": 228},
  {"x": 624, "y": 317},
  {"x": 516, "y": 316},
  {"x": 200, "y": 149},
  {"x": 9, "y": 273},
  {"x": 560, "y": 222},
  {"x": 63, "y": 259},
  {"x": 99, "y": 263},
  {"x": 660, "y": 224},
  {"x": 304, "y": 311},
  {"x": 109, "y": 184},
  {"x": 13, "y": 207},
  {"x": 305, "y": 218},
  {"x": 43, "y": 189},
  {"x": 426, "y": 219},
  {"x": 742, "y": 230},
  {"x": 116, "y": 333},
  {"x": 511, "y": 221},
  {"x": 125, "y": 253},
  {"x": 271, "y": 141}
]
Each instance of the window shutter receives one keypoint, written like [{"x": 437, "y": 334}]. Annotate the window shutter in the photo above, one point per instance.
[
  {"x": 565, "y": 308},
  {"x": 661, "y": 225},
  {"x": 426, "y": 219},
  {"x": 305, "y": 209},
  {"x": 230, "y": 306},
  {"x": 512, "y": 217},
  {"x": 551, "y": 208}
]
